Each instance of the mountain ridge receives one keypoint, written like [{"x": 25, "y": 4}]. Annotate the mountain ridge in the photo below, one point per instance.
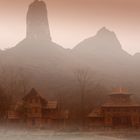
[{"x": 101, "y": 53}]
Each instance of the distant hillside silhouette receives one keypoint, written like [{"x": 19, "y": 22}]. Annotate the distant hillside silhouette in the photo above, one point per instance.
[
  {"x": 104, "y": 53},
  {"x": 53, "y": 66},
  {"x": 37, "y": 49},
  {"x": 37, "y": 21}
]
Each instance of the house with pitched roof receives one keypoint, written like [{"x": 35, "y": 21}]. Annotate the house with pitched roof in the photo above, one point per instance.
[
  {"x": 119, "y": 111},
  {"x": 37, "y": 112}
]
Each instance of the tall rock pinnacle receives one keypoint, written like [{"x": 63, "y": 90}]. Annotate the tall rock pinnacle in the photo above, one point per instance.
[{"x": 37, "y": 21}]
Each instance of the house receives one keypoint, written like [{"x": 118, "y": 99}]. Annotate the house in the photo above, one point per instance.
[
  {"x": 13, "y": 114},
  {"x": 96, "y": 118},
  {"x": 119, "y": 111},
  {"x": 34, "y": 106},
  {"x": 37, "y": 112}
]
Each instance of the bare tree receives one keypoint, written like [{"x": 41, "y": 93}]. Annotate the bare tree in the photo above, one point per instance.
[
  {"x": 4, "y": 105},
  {"x": 24, "y": 81},
  {"x": 84, "y": 80},
  {"x": 14, "y": 80},
  {"x": 8, "y": 80}
]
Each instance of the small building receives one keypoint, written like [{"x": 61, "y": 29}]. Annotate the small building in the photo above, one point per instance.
[
  {"x": 96, "y": 118},
  {"x": 34, "y": 106},
  {"x": 13, "y": 114},
  {"x": 119, "y": 111},
  {"x": 36, "y": 112}
]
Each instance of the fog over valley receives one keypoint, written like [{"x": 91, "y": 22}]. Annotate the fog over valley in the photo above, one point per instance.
[{"x": 67, "y": 92}]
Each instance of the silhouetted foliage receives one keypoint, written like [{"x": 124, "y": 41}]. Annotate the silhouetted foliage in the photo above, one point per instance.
[{"x": 4, "y": 104}]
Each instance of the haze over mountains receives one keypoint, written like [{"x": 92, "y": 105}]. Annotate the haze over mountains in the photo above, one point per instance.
[{"x": 50, "y": 64}]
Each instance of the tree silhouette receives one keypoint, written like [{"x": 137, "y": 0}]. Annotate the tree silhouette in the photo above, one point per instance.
[
  {"x": 4, "y": 104},
  {"x": 83, "y": 80}
]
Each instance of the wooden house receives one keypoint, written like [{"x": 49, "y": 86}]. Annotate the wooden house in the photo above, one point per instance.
[
  {"x": 119, "y": 111},
  {"x": 37, "y": 112}
]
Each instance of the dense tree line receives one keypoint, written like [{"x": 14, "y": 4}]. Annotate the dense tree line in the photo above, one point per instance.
[{"x": 5, "y": 102}]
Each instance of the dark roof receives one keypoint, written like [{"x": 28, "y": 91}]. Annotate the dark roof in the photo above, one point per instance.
[
  {"x": 33, "y": 93},
  {"x": 96, "y": 113},
  {"x": 121, "y": 103},
  {"x": 120, "y": 91},
  {"x": 120, "y": 98},
  {"x": 120, "y": 94}
]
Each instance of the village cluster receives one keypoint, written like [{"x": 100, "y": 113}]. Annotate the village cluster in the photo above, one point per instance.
[{"x": 119, "y": 111}]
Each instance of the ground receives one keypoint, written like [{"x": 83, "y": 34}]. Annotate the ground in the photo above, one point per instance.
[{"x": 49, "y": 135}]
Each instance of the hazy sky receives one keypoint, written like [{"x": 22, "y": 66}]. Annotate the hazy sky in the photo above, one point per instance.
[{"x": 74, "y": 20}]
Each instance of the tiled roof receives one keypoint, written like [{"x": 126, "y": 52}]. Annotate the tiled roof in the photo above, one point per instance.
[
  {"x": 95, "y": 113},
  {"x": 120, "y": 98},
  {"x": 121, "y": 103},
  {"x": 33, "y": 93}
]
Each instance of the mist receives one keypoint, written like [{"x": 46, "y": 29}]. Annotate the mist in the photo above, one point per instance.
[{"x": 88, "y": 92}]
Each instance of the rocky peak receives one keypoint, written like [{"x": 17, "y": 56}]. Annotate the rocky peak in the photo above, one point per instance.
[
  {"x": 107, "y": 38},
  {"x": 105, "y": 31},
  {"x": 37, "y": 21}
]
